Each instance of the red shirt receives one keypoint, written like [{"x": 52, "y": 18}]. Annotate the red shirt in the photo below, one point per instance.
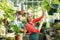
[{"x": 30, "y": 26}]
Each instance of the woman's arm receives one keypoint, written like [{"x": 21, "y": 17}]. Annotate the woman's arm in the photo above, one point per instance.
[
  {"x": 40, "y": 18},
  {"x": 39, "y": 28},
  {"x": 31, "y": 28}
]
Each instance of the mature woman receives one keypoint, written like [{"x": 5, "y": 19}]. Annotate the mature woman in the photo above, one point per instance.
[
  {"x": 30, "y": 25},
  {"x": 5, "y": 23}
]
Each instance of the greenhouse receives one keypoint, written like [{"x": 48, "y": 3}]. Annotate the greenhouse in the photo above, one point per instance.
[{"x": 29, "y": 19}]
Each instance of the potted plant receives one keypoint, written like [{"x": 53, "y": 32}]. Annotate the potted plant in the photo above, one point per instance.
[
  {"x": 17, "y": 32},
  {"x": 42, "y": 32},
  {"x": 6, "y": 10},
  {"x": 57, "y": 24},
  {"x": 56, "y": 28},
  {"x": 7, "y": 7},
  {"x": 41, "y": 36},
  {"x": 50, "y": 5}
]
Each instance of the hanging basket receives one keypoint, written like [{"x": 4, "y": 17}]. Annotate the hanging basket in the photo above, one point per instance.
[{"x": 20, "y": 12}]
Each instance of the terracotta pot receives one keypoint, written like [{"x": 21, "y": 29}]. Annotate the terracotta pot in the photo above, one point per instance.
[
  {"x": 17, "y": 37},
  {"x": 20, "y": 12},
  {"x": 41, "y": 38}
]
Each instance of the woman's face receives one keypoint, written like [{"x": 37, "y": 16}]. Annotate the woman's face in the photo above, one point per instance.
[
  {"x": 19, "y": 17},
  {"x": 29, "y": 17}
]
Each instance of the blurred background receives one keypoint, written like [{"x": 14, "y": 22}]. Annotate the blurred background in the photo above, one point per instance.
[{"x": 11, "y": 9}]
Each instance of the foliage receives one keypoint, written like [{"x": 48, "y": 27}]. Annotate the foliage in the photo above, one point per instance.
[
  {"x": 58, "y": 10},
  {"x": 37, "y": 24},
  {"x": 0, "y": 22},
  {"x": 51, "y": 6},
  {"x": 55, "y": 2},
  {"x": 55, "y": 27},
  {"x": 7, "y": 7},
  {"x": 44, "y": 28},
  {"x": 41, "y": 34},
  {"x": 24, "y": 22},
  {"x": 45, "y": 4},
  {"x": 1, "y": 16},
  {"x": 16, "y": 29}
]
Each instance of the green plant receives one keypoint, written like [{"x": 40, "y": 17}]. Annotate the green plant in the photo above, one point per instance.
[
  {"x": 7, "y": 7},
  {"x": 24, "y": 22},
  {"x": 55, "y": 2},
  {"x": 50, "y": 5},
  {"x": 7, "y": 11},
  {"x": 0, "y": 22},
  {"x": 56, "y": 26},
  {"x": 41, "y": 34},
  {"x": 58, "y": 10},
  {"x": 43, "y": 27},
  {"x": 37, "y": 24},
  {"x": 16, "y": 29},
  {"x": 45, "y": 4}
]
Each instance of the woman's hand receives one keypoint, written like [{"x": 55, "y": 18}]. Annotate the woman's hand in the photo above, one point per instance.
[{"x": 43, "y": 12}]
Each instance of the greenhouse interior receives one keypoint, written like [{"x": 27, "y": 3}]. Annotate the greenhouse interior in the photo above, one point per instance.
[{"x": 29, "y": 19}]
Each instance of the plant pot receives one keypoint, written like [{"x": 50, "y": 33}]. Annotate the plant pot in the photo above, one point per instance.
[
  {"x": 20, "y": 12},
  {"x": 17, "y": 37},
  {"x": 41, "y": 38}
]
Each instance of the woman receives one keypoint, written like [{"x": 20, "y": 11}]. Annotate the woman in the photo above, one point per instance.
[
  {"x": 33, "y": 33},
  {"x": 5, "y": 23}
]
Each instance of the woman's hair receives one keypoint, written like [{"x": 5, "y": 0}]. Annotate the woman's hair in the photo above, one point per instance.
[{"x": 27, "y": 16}]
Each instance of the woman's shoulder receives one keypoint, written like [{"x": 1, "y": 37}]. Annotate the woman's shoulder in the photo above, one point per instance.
[{"x": 27, "y": 23}]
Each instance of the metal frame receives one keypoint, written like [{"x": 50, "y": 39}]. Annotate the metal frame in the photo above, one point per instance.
[{"x": 32, "y": 3}]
